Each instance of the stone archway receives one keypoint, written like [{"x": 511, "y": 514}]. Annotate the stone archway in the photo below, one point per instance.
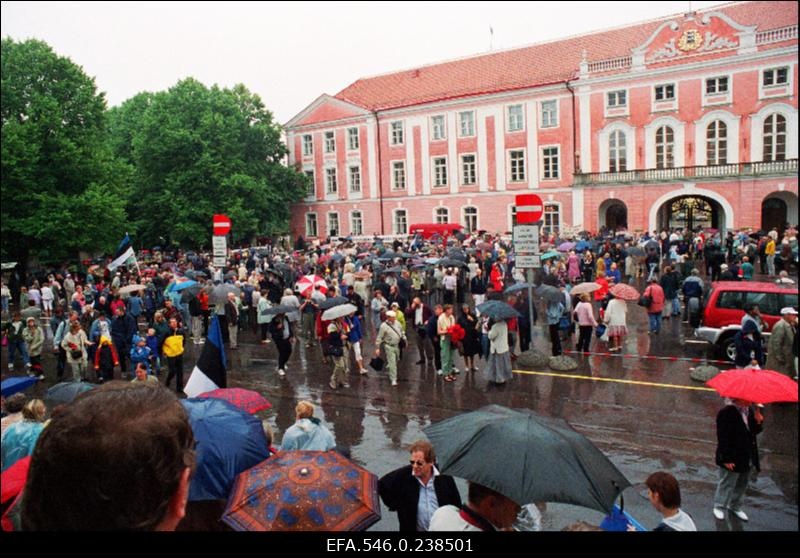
[
  {"x": 777, "y": 209},
  {"x": 613, "y": 215},
  {"x": 722, "y": 216}
]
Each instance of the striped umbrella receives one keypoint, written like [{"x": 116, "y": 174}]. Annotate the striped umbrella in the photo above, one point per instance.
[{"x": 307, "y": 283}]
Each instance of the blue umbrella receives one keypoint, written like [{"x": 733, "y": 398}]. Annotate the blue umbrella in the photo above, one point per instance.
[
  {"x": 10, "y": 386},
  {"x": 184, "y": 285},
  {"x": 583, "y": 245},
  {"x": 518, "y": 287},
  {"x": 431, "y": 260},
  {"x": 550, "y": 254},
  {"x": 65, "y": 392},
  {"x": 497, "y": 310},
  {"x": 229, "y": 441},
  {"x": 336, "y": 257}
]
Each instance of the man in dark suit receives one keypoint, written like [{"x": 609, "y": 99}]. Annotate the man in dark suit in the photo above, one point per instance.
[
  {"x": 417, "y": 315},
  {"x": 737, "y": 426},
  {"x": 417, "y": 490}
]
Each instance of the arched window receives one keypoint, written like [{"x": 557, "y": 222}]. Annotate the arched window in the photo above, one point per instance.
[
  {"x": 775, "y": 138},
  {"x": 470, "y": 218},
  {"x": 665, "y": 148},
  {"x": 617, "y": 152},
  {"x": 717, "y": 143},
  {"x": 442, "y": 215}
]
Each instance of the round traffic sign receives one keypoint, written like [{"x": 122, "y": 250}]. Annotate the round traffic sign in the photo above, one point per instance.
[
  {"x": 530, "y": 208},
  {"x": 222, "y": 225}
]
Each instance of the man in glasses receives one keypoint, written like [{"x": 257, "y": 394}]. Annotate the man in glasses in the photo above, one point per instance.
[{"x": 418, "y": 489}]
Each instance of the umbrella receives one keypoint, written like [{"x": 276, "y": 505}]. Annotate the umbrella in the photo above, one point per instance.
[
  {"x": 333, "y": 301},
  {"x": 566, "y": 246},
  {"x": 498, "y": 310},
  {"x": 548, "y": 461},
  {"x": 228, "y": 441},
  {"x": 307, "y": 283},
  {"x": 758, "y": 386},
  {"x": 550, "y": 294},
  {"x": 65, "y": 392},
  {"x": 247, "y": 400},
  {"x": 169, "y": 265},
  {"x": 304, "y": 491},
  {"x": 624, "y": 291},
  {"x": 635, "y": 251},
  {"x": 274, "y": 273},
  {"x": 586, "y": 287},
  {"x": 279, "y": 309},
  {"x": 10, "y": 386},
  {"x": 550, "y": 254},
  {"x": 395, "y": 269},
  {"x": 456, "y": 254},
  {"x": 134, "y": 288},
  {"x": 450, "y": 262},
  {"x": 583, "y": 245},
  {"x": 651, "y": 245},
  {"x": 220, "y": 292},
  {"x": 518, "y": 287},
  {"x": 338, "y": 312},
  {"x": 190, "y": 292}
]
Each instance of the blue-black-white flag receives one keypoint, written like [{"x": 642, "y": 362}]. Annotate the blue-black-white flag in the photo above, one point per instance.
[
  {"x": 123, "y": 254},
  {"x": 209, "y": 372}
]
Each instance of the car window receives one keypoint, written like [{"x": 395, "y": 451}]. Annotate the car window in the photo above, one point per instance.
[
  {"x": 767, "y": 302},
  {"x": 789, "y": 299},
  {"x": 732, "y": 300}
]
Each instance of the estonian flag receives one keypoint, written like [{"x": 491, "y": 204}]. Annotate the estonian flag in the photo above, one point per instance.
[
  {"x": 123, "y": 254},
  {"x": 209, "y": 372}
]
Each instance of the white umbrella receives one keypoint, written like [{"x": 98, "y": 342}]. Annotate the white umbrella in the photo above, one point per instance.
[
  {"x": 338, "y": 312},
  {"x": 131, "y": 289}
]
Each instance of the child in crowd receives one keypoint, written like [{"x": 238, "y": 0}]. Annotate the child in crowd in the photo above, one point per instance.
[
  {"x": 152, "y": 343},
  {"x": 140, "y": 353},
  {"x": 105, "y": 359}
]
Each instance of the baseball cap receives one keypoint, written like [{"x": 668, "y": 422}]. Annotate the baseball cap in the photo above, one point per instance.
[{"x": 788, "y": 310}]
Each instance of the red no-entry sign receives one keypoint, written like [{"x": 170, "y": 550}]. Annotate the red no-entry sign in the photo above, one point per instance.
[
  {"x": 222, "y": 225},
  {"x": 529, "y": 208}
]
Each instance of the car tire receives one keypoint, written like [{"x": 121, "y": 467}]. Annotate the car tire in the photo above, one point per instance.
[{"x": 727, "y": 349}]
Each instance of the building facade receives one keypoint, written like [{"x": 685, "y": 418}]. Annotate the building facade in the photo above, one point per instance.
[{"x": 686, "y": 121}]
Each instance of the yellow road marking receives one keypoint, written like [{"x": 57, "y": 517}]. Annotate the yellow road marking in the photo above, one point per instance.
[{"x": 579, "y": 377}]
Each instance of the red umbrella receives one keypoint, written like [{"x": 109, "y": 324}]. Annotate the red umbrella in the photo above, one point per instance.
[
  {"x": 306, "y": 284},
  {"x": 304, "y": 491},
  {"x": 245, "y": 399},
  {"x": 624, "y": 291},
  {"x": 758, "y": 386}
]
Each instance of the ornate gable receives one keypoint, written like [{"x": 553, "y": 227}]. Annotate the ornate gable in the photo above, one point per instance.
[
  {"x": 326, "y": 109},
  {"x": 694, "y": 35}
]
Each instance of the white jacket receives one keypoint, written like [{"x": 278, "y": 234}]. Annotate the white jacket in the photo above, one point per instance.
[{"x": 498, "y": 338}]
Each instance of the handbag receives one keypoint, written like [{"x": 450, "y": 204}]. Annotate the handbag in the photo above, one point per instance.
[
  {"x": 645, "y": 301},
  {"x": 600, "y": 330},
  {"x": 76, "y": 354},
  {"x": 564, "y": 323}
]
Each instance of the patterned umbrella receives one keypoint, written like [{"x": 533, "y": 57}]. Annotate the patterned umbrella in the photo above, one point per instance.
[
  {"x": 586, "y": 287},
  {"x": 307, "y": 283},
  {"x": 304, "y": 491},
  {"x": 245, "y": 399},
  {"x": 624, "y": 291}
]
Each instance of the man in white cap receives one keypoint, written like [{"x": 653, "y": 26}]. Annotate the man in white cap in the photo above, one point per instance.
[
  {"x": 390, "y": 335},
  {"x": 782, "y": 344}
]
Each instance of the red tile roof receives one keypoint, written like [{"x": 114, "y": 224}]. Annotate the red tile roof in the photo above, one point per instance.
[{"x": 524, "y": 67}]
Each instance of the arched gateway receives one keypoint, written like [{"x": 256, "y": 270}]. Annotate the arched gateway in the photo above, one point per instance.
[{"x": 692, "y": 208}]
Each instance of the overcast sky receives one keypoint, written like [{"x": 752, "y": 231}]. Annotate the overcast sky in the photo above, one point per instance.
[{"x": 290, "y": 53}]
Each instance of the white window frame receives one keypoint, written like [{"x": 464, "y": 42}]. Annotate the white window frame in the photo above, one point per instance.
[
  {"x": 776, "y": 91},
  {"x": 338, "y": 230},
  {"x": 312, "y": 193},
  {"x": 542, "y": 158},
  {"x": 397, "y": 133},
  {"x": 717, "y": 141},
  {"x": 630, "y": 145},
  {"x": 616, "y": 94},
  {"x": 350, "y": 182},
  {"x": 353, "y": 231},
  {"x": 328, "y": 175},
  {"x": 435, "y": 172},
  {"x": 434, "y": 127},
  {"x": 668, "y": 147},
  {"x": 662, "y": 105},
  {"x": 395, "y": 213},
  {"x": 618, "y": 150},
  {"x": 775, "y": 71},
  {"x": 616, "y": 110},
  {"x": 720, "y": 98},
  {"x": 524, "y": 165},
  {"x": 394, "y": 167},
  {"x": 474, "y": 169},
  {"x": 465, "y": 221},
  {"x": 700, "y": 126},
  {"x": 437, "y": 210},
  {"x": 548, "y": 123},
  {"x": 757, "y": 130},
  {"x": 774, "y": 116},
  {"x": 353, "y": 136},
  {"x": 678, "y": 141},
  {"x": 461, "y": 132},
  {"x": 521, "y": 118},
  {"x": 549, "y": 204},
  {"x": 316, "y": 224},
  {"x": 330, "y": 142},
  {"x": 308, "y": 146},
  {"x": 664, "y": 86}
]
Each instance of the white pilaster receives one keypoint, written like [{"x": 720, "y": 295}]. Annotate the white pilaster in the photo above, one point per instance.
[
  {"x": 372, "y": 150},
  {"x": 532, "y": 123},
  {"x": 585, "y": 112},
  {"x": 483, "y": 158},
  {"x": 452, "y": 155}
]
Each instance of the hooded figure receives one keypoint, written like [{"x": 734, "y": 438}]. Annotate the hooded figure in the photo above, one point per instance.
[
  {"x": 105, "y": 359},
  {"x": 308, "y": 433}
]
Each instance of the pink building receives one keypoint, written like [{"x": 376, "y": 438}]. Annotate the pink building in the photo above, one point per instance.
[{"x": 689, "y": 120}]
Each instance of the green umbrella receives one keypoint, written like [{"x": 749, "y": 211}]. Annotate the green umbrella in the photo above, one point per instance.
[
  {"x": 550, "y": 254},
  {"x": 526, "y": 457}
]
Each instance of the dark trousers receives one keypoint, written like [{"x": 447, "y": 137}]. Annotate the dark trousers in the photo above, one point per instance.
[
  {"x": 437, "y": 353},
  {"x": 524, "y": 338},
  {"x": 223, "y": 325},
  {"x": 425, "y": 351},
  {"x": 61, "y": 363},
  {"x": 264, "y": 330},
  {"x": 205, "y": 322},
  {"x": 555, "y": 339},
  {"x": 584, "y": 338},
  {"x": 175, "y": 365},
  {"x": 284, "y": 352}
]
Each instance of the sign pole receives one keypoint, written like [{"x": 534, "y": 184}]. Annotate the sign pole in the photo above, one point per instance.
[{"x": 530, "y": 303}]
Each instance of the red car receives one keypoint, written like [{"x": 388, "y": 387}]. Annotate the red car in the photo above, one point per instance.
[{"x": 724, "y": 310}]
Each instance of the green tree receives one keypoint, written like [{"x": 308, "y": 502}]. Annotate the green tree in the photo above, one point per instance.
[
  {"x": 196, "y": 151},
  {"x": 62, "y": 191}
]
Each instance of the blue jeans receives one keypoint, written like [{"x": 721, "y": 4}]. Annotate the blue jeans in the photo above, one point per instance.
[
  {"x": 676, "y": 306},
  {"x": 13, "y": 347},
  {"x": 655, "y": 321}
]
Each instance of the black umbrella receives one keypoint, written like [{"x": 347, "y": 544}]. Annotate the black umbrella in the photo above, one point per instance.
[
  {"x": 189, "y": 293},
  {"x": 65, "y": 392},
  {"x": 518, "y": 287},
  {"x": 498, "y": 310},
  {"x": 550, "y": 294},
  {"x": 395, "y": 269},
  {"x": 635, "y": 251},
  {"x": 652, "y": 245},
  {"x": 451, "y": 262},
  {"x": 279, "y": 309},
  {"x": 526, "y": 457},
  {"x": 333, "y": 301},
  {"x": 456, "y": 255}
]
